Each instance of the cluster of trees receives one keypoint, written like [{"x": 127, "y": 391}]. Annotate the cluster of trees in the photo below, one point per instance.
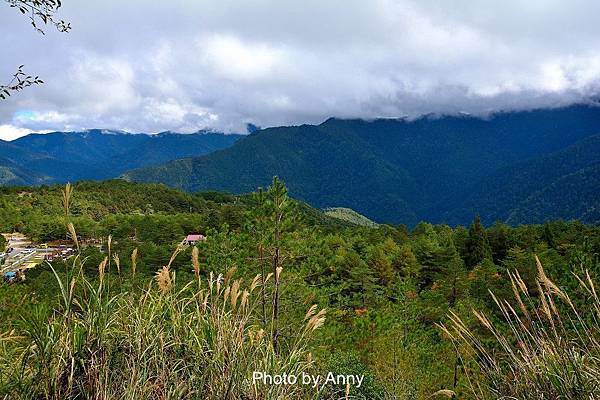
[
  {"x": 385, "y": 287},
  {"x": 116, "y": 208}
]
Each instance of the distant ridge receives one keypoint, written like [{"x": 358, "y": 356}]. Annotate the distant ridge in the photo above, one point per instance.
[
  {"x": 442, "y": 169},
  {"x": 97, "y": 154}
]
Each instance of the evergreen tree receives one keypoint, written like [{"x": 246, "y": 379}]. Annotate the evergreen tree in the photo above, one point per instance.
[
  {"x": 362, "y": 282},
  {"x": 500, "y": 243},
  {"x": 380, "y": 263},
  {"x": 406, "y": 262},
  {"x": 280, "y": 219},
  {"x": 434, "y": 254},
  {"x": 548, "y": 236},
  {"x": 478, "y": 246}
]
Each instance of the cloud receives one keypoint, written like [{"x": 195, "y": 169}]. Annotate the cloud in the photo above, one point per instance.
[
  {"x": 236, "y": 60},
  {"x": 10, "y": 132},
  {"x": 187, "y": 65}
]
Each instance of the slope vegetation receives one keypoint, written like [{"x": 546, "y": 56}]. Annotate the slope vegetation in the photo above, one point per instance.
[{"x": 441, "y": 169}]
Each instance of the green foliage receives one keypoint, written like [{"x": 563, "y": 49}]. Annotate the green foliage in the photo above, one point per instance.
[
  {"x": 385, "y": 288},
  {"x": 478, "y": 246},
  {"x": 349, "y": 363}
]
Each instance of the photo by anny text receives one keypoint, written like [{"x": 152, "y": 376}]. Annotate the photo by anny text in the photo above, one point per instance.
[{"x": 315, "y": 381}]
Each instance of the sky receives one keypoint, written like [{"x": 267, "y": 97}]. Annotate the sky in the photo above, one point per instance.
[{"x": 183, "y": 66}]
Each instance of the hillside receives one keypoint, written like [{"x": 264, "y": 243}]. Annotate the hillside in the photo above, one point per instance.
[
  {"x": 441, "y": 169},
  {"x": 42, "y": 206},
  {"x": 349, "y": 215},
  {"x": 11, "y": 174},
  {"x": 572, "y": 194},
  {"x": 319, "y": 166},
  {"x": 532, "y": 190},
  {"x": 99, "y": 154}
]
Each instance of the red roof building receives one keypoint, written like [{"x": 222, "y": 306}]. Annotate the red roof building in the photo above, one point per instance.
[{"x": 194, "y": 238}]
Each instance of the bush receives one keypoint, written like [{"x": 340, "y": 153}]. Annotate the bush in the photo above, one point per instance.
[{"x": 348, "y": 363}]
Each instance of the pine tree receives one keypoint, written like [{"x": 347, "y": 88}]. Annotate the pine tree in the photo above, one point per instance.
[
  {"x": 478, "y": 246},
  {"x": 548, "y": 236},
  {"x": 500, "y": 243},
  {"x": 380, "y": 263},
  {"x": 362, "y": 282},
  {"x": 279, "y": 209},
  {"x": 406, "y": 262}
]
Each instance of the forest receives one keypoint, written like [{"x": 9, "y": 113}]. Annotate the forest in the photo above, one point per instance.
[{"x": 434, "y": 311}]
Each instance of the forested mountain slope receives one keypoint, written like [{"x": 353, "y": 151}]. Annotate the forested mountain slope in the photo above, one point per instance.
[
  {"x": 100, "y": 154},
  {"x": 440, "y": 169},
  {"x": 528, "y": 191}
]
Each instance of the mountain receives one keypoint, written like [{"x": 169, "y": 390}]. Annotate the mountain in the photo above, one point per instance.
[
  {"x": 508, "y": 167},
  {"x": 575, "y": 194},
  {"x": 523, "y": 191},
  {"x": 98, "y": 154},
  {"x": 320, "y": 166},
  {"x": 11, "y": 172}
]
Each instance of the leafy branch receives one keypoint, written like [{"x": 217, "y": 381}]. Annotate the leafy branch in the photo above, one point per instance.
[
  {"x": 19, "y": 81},
  {"x": 41, "y": 11}
]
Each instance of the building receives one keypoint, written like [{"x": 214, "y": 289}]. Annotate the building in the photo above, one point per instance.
[{"x": 192, "y": 239}]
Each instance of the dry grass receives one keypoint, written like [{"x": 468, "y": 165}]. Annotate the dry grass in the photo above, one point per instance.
[
  {"x": 134, "y": 255},
  {"x": 165, "y": 279},
  {"x": 166, "y": 341},
  {"x": 549, "y": 351},
  {"x": 67, "y": 193},
  {"x": 196, "y": 262}
]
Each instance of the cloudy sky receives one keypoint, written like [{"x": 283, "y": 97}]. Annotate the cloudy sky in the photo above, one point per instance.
[{"x": 183, "y": 65}]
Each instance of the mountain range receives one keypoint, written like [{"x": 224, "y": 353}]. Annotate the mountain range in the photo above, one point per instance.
[
  {"x": 514, "y": 167},
  {"x": 96, "y": 154}
]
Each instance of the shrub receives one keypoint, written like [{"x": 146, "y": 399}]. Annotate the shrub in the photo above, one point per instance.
[{"x": 348, "y": 363}]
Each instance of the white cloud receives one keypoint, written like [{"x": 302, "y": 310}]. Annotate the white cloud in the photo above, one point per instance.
[
  {"x": 552, "y": 77},
  {"x": 233, "y": 59},
  {"x": 33, "y": 117},
  {"x": 102, "y": 85},
  {"x": 187, "y": 65},
  {"x": 10, "y": 132}
]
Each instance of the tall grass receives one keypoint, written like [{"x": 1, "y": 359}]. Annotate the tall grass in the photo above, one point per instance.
[
  {"x": 200, "y": 340},
  {"x": 549, "y": 350}
]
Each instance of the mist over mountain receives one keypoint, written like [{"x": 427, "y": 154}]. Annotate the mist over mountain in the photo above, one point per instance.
[
  {"x": 515, "y": 167},
  {"x": 440, "y": 169},
  {"x": 97, "y": 154}
]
